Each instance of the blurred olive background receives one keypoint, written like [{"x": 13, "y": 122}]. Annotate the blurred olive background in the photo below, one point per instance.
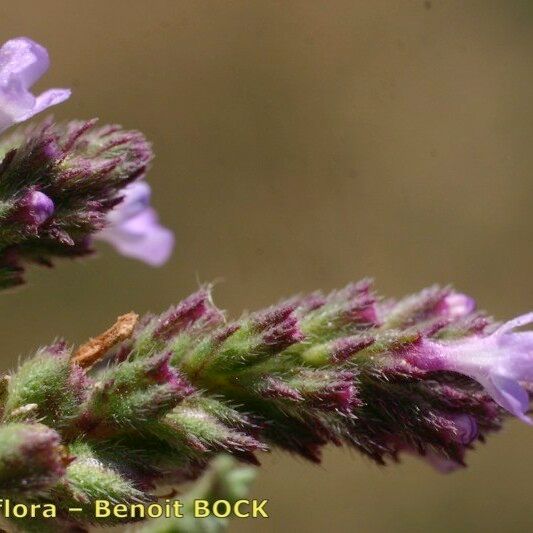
[{"x": 301, "y": 145}]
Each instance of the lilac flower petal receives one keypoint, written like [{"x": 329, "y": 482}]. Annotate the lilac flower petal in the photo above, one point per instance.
[
  {"x": 136, "y": 198},
  {"x": 15, "y": 104},
  {"x": 141, "y": 237},
  {"x": 134, "y": 229},
  {"x": 517, "y": 322},
  {"x": 22, "y": 63},
  {"x": 23, "y": 59},
  {"x": 48, "y": 99},
  {"x": 510, "y": 395}
]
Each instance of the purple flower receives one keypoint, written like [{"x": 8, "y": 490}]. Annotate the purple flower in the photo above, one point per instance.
[
  {"x": 22, "y": 63},
  {"x": 34, "y": 209},
  {"x": 41, "y": 206},
  {"x": 465, "y": 429},
  {"x": 134, "y": 229},
  {"x": 501, "y": 362}
]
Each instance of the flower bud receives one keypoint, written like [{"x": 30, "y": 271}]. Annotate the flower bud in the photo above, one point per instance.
[
  {"x": 204, "y": 431},
  {"x": 31, "y": 458},
  {"x": 51, "y": 382},
  {"x": 32, "y": 211},
  {"x": 197, "y": 309},
  {"x": 132, "y": 393}
]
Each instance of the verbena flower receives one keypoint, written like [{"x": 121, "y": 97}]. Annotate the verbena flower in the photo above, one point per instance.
[
  {"x": 134, "y": 230},
  {"x": 502, "y": 362},
  {"x": 22, "y": 63}
]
